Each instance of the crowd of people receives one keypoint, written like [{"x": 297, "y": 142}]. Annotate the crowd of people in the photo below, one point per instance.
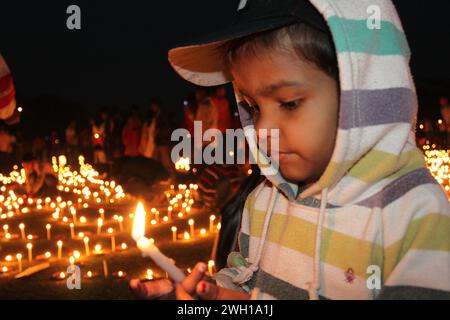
[{"x": 110, "y": 136}]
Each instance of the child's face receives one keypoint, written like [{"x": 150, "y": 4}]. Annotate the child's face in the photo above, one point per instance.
[{"x": 300, "y": 100}]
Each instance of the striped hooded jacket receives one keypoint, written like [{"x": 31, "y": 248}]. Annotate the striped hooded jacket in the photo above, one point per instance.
[{"x": 376, "y": 225}]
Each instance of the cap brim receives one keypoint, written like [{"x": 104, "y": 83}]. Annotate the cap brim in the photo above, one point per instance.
[{"x": 201, "y": 61}]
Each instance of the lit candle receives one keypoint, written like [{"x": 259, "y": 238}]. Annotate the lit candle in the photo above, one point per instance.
[
  {"x": 211, "y": 267},
  {"x": 149, "y": 274},
  {"x": 120, "y": 219},
  {"x": 19, "y": 261},
  {"x": 187, "y": 236},
  {"x": 211, "y": 222},
  {"x": 150, "y": 250},
  {"x": 30, "y": 251},
  {"x": 99, "y": 225},
  {"x": 22, "y": 230},
  {"x": 86, "y": 245},
  {"x": 169, "y": 212},
  {"x": 72, "y": 263},
  {"x": 113, "y": 239},
  {"x": 74, "y": 214},
  {"x": 191, "y": 227},
  {"x": 102, "y": 213},
  {"x": 72, "y": 230},
  {"x": 174, "y": 233},
  {"x": 98, "y": 249},
  {"x": 59, "y": 244},
  {"x": 48, "y": 227}
]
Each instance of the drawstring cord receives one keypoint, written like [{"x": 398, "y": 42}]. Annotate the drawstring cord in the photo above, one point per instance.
[
  {"x": 247, "y": 273},
  {"x": 315, "y": 283}
]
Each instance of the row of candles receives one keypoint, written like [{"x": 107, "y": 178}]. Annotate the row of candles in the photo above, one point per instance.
[
  {"x": 180, "y": 201},
  {"x": 438, "y": 162}
]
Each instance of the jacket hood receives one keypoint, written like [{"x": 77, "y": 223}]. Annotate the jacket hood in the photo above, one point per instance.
[{"x": 375, "y": 138}]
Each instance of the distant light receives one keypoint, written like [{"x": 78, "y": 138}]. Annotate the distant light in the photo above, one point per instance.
[{"x": 20, "y": 109}]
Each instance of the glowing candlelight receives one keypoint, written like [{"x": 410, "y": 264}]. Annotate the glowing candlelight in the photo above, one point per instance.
[
  {"x": 59, "y": 244},
  {"x": 22, "y": 230},
  {"x": 149, "y": 274},
  {"x": 187, "y": 236},
  {"x": 211, "y": 222},
  {"x": 102, "y": 213},
  {"x": 82, "y": 219},
  {"x": 86, "y": 245},
  {"x": 211, "y": 265},
  {"x": 74, "y": 214},
  {"x": 30, "y": 251},
  {"x": 191, "y": 227},
  {"x": 113, "y": 239},
  {"x": 149, "y": 249},
  {"x": 174, "y": 233},
  {"x": 98, "y": 249},
  {"x": 72, "y": 230},
  {"x": 120, "y": 219},
  {"x": 19, "y": 261},
  {"x": 72, "y": 262},
  {"x": 99, "y": 225},
  {"x": 203, "y": 232},
  {"x": 48, "y": 227}
]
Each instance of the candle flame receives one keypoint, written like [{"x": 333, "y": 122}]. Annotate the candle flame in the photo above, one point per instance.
[{"x": 139, "y": 222}]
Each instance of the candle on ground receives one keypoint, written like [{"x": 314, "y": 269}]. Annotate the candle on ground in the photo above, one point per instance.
[
  {"x": 120, "y": 219},
  {"x": 59, "y": 244},
  {"x": 211, "y": 222},
  {"x": 191, "y": 227},
  {"x": 99, "y": 225},
  {"x": 48, "y": 227},
  {"x": 72, "y": 230},
  {"x": 22, "y": 230},
  {"x": 72, "y": 263},
  {"x": 19, "y": 261},
  {"x": 30, "y": 251},
  {"x": 113, "y": 239},
  {"x": 174, "y": 233},
  {"x": 86, "y": 245},
  {"x": 102, "y": 213}
]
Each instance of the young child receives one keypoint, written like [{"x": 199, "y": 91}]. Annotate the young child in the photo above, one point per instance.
[{"x": 353, "y": 212}]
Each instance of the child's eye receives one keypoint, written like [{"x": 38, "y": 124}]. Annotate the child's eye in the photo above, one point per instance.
[{"x": 291, "y": 105}]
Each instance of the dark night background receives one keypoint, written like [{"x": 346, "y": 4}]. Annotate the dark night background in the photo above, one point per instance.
[{"x": 119, "y": 57}]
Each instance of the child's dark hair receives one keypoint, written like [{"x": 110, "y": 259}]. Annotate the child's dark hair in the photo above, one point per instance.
[{"x": 309, "y": 43}]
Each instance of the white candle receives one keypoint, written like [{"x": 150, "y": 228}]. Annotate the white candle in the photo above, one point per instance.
[
  {"x": 211, "y": 223},
  {"x": 150, "y": 250},
  {"x": 59, "y": 244},
  {"x": 19, "y": 261},
  {"x": 174, "y": 233},
  {"x": 72, "y": 231},
  {"x": 191, "y": 226},
  {"x": 30, "y": 251},
  {"x": 120, "y": 219},
  {"x": 99, "y": 225},
  {"x": 48, "y": 227},
  {"x": 86, "y": 245},
  {"x": 113, "y": 239},
  {"x": 211, "y": 267},
  {"x": 22, "y": 230}
]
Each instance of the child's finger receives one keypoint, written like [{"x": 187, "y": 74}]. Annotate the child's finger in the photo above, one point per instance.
[
  {"x": 151, "y": 289},
  {"x": 181, "y": 293},
  {"x": 190, "y": 282},
  {"x": 209, "y": 291}
]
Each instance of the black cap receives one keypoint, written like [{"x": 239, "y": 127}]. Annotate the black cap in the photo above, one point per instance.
[{"x": 201, "y": 60}]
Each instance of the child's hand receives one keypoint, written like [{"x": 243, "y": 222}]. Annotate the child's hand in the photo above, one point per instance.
[{"x": 191, "y": 285}]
